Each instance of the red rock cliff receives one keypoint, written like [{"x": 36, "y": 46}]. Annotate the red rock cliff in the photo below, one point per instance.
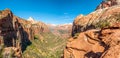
[
  {"x": 16, "y": 33},
  {"x": 95, "y": 35}
]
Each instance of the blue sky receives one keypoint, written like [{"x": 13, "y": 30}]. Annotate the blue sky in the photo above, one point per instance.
[{"x": 50, "y": 11}]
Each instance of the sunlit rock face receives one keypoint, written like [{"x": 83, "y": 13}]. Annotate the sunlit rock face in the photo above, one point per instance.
[
  {"x": 96, "y": 19},
  {"x": 108, "y": 3},
  {"x": 118, "y": 1},
  {"x": 95, "y": 35}
]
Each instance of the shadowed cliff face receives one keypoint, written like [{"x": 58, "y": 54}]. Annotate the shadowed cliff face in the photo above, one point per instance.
[
  {"x": 95, "y": 35},
  {"x": 11, "y": 32},
  {"x": 6, "y": 27},
  {"x": 16, "y": 34}
]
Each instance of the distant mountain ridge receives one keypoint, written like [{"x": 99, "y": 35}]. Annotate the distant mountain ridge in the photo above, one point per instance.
[{"x": 63, "y": 30}]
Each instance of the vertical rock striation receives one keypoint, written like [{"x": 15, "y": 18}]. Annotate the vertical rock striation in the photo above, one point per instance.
[{"x": 16, "y": 33}]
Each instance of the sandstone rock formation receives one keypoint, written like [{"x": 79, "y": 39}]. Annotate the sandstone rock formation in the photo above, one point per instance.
[
  {"x": 96, "y": 35},
  {"x": 16, "y": 33},
  {"x": 96, "y": 19},
  {"x": 108, "y": 3}
]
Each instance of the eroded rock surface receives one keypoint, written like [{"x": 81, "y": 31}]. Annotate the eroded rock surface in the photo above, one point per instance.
[
  {"x": 94, "y": 43},
  {"x": 96, "y": 35}
]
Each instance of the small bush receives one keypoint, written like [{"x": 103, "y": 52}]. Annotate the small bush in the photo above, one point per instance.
[
  {"x": 63, "y": 31},
  {"x": 102, "y": 24},
  {"x": 1, "y": 50},
  {"x": 0, "y": 11},
  {"x": 117, "y": 17},
  {"x": 76, "y": 35},
  {"x": 36, "y": 37},
  {"x": 11, "y": 53}
]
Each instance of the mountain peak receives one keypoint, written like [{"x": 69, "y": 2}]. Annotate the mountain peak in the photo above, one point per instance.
[{"x": 31, "y": 19}]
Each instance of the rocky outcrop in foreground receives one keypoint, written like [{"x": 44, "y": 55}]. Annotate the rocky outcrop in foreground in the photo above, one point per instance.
[
  {"x": 16, "y": 33},
  {"x": 95, "y": 44},
  {"x": 96, "y": 35}
]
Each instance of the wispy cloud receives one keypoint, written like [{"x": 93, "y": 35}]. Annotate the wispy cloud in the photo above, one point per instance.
[{"x": 65, "y": 13}]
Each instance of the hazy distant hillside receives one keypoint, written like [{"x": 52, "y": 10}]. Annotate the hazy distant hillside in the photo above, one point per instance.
[{"x": 62, "y": 30}]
